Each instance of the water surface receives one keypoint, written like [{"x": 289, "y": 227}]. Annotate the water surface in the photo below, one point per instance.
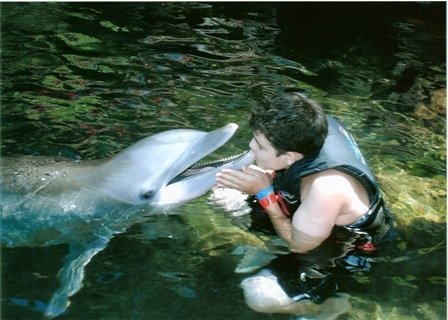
[{"x": 85, "y": 80}]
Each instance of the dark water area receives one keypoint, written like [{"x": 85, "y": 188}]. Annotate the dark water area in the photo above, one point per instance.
[{"x": 85, "y": 80}]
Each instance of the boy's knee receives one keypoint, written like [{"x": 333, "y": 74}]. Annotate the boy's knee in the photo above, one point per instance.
[{"x": 264, "y": 294}]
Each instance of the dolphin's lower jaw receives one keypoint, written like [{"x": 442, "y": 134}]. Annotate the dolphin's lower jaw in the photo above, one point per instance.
[{"x": 198, "y": 180}]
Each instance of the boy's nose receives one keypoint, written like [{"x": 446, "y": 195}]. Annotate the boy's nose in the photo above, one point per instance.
[{"x": 252, "y": 144}]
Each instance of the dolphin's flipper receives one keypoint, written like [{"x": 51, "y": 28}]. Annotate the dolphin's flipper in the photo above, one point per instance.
[{"x": 71, "y": 274}]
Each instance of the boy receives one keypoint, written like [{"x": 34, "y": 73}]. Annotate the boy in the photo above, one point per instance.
[{"x": 313, "y": 180}]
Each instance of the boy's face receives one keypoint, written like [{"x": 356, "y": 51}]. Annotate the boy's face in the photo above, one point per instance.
[{"x": 265, "y": 154}]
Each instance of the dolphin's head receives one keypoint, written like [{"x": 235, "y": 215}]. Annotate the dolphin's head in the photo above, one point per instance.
[{"x": 160, "y": 170}]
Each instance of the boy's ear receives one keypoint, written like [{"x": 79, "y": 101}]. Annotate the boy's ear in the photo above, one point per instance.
[{"x": 292, "y": 157}]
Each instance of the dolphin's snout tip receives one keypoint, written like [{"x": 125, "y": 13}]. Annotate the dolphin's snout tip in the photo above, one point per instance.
[
  {"x": 232, "y": 126},
  {"x": 228, "y": 128}
]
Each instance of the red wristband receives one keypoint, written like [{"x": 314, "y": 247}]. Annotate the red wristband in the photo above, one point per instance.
[{"x": 268, "y": 200}]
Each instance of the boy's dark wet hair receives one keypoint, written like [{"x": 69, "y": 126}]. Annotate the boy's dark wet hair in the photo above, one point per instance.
[{"x": 291, "y": 122}]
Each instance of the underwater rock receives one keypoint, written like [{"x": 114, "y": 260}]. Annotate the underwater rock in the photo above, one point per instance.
[{"x": 433, "y": 114}]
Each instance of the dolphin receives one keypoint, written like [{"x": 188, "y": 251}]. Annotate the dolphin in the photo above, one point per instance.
[{"x": 83, "y": 204}]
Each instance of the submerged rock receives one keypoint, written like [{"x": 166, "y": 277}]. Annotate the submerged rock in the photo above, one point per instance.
[{"x": 433, "y": 115}]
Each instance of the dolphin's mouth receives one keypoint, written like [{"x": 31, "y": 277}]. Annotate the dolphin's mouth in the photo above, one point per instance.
[{"x": 201, "y": 166}]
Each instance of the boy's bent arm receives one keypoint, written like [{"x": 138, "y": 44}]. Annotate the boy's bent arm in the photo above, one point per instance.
[
  {"x": 306, "y": 231},
  {"x": 298, "y": 241},
  {"x": 315, "y": 218}
]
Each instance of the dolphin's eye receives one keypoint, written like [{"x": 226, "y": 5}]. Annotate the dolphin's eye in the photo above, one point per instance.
[{"x": 148, "y": 195}]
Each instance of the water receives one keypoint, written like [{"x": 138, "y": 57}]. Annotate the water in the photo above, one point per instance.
[{"x": 85, "y": 80}]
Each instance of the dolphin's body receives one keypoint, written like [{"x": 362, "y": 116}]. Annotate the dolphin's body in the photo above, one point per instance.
[{"x": 83, "y": 204}]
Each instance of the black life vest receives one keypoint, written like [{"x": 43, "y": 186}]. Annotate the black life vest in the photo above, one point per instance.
[{"x": 339, "y": 152}]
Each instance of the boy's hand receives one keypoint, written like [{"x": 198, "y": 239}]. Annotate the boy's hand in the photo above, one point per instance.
[{"x": 247, "y": 180}]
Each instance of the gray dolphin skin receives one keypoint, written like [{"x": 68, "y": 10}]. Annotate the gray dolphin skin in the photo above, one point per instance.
[{"x": 84, "y": 204}]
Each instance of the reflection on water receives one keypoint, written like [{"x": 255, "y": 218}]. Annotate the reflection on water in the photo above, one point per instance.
[{"x": 86, "y": 80}]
